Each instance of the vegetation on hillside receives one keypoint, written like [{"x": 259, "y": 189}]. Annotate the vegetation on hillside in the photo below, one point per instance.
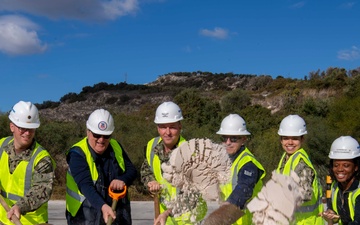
[{"x": 328, "y": 101}]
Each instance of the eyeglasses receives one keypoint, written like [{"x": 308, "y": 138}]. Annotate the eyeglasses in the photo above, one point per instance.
[
  {"x": 97, "y": 136},
  {"x": 23, "y": 130},
  {"x": 232, "y": 138}
]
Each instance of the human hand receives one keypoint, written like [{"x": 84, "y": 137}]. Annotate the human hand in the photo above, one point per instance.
[
  {"x": 154, "y": 186},
  {"x": 106, "y": 212},
  {"x": 15, "y": 210},
  {"x": 117, "y": 185},
  {"x": 330, "y": 216},
  {"x": 161, "y": 219}
]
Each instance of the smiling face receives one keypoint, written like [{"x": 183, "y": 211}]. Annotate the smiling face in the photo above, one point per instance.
[
  {"x": 291, "y": 144},
  {"x": 98, "y": 143},
  {"x": 344, "y": 171}
]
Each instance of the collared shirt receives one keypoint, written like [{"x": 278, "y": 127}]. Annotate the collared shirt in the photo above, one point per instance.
[
  {"x": 42, "y": 178},
  {"x": 343, "y": 205},
  {"x": 248, "y": 176}
]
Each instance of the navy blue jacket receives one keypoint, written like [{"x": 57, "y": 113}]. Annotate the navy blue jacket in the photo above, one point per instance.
[{"x": 248, "y": 176}]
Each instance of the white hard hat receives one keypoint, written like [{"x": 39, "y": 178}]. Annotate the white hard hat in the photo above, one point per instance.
[
  {"x": 344, "y": 147},
  {"x": 233, "y": 124},
  {"x": 100, "y": 122},
  {"x": 168, "y": 112},
  {"x": 292, "y": 125},
  {"x": 25, "y": 115}
]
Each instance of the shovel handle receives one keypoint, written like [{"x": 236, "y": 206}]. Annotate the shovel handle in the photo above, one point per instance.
[
  {"x": 115, "y": 197},
  {"x": 113, "y": 207},
  {"x": 14, "y": 218},
  {"x": 156, "y": 205}
]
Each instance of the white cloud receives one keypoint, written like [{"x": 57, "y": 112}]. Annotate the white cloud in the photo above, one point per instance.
[
  {"x": 349, "y": 54},
  {"x": 93, "y": 10},
  {"x": 18, "y": 36},
  {"x": 218, "y": 33}
]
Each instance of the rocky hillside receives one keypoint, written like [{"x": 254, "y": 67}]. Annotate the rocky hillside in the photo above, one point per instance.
[{"x": 263, "y": 90}]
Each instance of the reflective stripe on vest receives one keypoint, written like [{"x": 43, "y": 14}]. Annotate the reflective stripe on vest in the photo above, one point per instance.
[
  {"x": 226, "y": 190},
  {"x": 155, "y": 141},
  {"x": 28, "y": 171},
  {"x": 150, "y": 153},
  {"x": 169, "y": 191},
  {"x": 351, "y": 199},
  {"x": 20, "y": 183},
  {"x": 308, "y": 211}
]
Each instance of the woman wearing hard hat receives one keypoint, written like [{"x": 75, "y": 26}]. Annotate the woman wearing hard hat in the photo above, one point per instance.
[
  {"x": 291, "y": 131},
  {"x": 345, "y": 190}
]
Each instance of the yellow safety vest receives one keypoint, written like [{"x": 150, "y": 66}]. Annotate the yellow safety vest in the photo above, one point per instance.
[
  {"x": 351, "y": 199},
  {"x": 307, "y": 213},
  {"x": 74, "y": 198},
  {"x": 169, "y": 192},
  {"x": 226, "y": 190},
  {"x": 15, "y": 186}
]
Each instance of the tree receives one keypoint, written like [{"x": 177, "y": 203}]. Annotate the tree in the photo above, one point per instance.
[{"x": 235, "y": 101}]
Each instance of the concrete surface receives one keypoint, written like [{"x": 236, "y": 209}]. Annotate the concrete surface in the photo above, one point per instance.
[{"x": 142, "y": 212}]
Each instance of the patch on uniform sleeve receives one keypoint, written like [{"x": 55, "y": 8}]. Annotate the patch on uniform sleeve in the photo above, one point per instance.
[{"x": 248, "y": 173}]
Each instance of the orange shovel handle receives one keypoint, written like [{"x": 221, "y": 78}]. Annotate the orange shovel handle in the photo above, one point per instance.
[{"x": 116, "y": 195}]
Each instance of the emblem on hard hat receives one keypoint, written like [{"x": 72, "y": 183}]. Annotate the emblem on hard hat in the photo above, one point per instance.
[
  {"x": 165, "y": 114},
  {"x": 343, "y": 150},
  {"x": 102, "y": 125}
]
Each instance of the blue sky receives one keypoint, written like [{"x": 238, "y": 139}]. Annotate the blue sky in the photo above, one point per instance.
[{"x": 51, "y": 48}]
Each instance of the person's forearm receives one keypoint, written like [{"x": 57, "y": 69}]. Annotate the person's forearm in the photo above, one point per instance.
[{"x": 82, "y": 176}]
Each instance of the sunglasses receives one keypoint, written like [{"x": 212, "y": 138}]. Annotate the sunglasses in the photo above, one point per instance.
[
  {"x": 232, "y": 138},
  {"x": 97, "y": 136}
]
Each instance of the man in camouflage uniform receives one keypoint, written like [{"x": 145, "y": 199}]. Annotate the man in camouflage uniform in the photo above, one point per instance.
[
  {"x": 167, "y": 118},
  {"x": 27, "y": 169}
]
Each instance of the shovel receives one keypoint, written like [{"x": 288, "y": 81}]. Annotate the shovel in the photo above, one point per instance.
[
  {"x": 156, "y": 204},
  {"x": 7, "y": 208},
  {"x": 115, "y": 198}
]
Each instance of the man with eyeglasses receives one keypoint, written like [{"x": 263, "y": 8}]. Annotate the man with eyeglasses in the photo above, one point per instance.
[
  {"x": 246, "y": 175},
  {"x": 98, "y": 163},
  {"x": 167, "y": 119},
  {"x": 27, "y": 169}
]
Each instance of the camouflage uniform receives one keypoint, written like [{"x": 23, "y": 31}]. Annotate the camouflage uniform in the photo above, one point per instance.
[
  {"x": 306, "y": 175},
  {"x": 146, "y": 173},
  {"x": 42, "y": 178}
]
